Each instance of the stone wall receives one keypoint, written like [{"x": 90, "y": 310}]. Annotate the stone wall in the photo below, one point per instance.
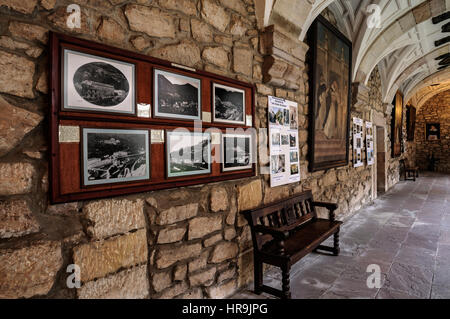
[
  {"x": 188, "y": 243},
  {"x": 436, "y": 110}
]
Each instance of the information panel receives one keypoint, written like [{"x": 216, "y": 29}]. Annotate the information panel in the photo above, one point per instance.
[{"x": 283, "y": 142}]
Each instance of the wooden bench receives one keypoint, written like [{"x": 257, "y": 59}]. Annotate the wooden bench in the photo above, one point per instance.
[
  {"x": 411, "y": 172},
  {"x": 285, "y": 232}
]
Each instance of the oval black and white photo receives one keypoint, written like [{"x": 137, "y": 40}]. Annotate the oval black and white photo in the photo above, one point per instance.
[{"x": 101, "y": 84}]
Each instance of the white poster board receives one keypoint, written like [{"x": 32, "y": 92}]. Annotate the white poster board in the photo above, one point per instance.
[
  {"x": 369, "y": 144},
  {"x": 357, "y": 142},
  {"x": 283, "y": 142}
]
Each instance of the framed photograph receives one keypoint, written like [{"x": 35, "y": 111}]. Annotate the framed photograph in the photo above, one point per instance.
[
  {"x": 284, "y": 139},
  {"x": 433, "y": 131},
  {"x": 276, "y": 139},
  {"x": 293, "y": 140},
  {"x": 228, "y": 104},
  {"x": 115, "y": 156},
  {"x": 236, "y": 152},
  {"x": 330, "y": 96},
  {"x": 177, "y": 96},
  {"x": 396, "y": 126},
  {"x": 188, "y": 153},
  {"x": 97, "y": 84}
]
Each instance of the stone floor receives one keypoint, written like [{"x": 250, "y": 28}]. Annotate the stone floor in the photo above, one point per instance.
[{"x": 406, "y": 232}]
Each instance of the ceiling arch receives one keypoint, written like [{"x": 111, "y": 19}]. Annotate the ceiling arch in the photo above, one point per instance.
[{"x": 402, "y": 45}]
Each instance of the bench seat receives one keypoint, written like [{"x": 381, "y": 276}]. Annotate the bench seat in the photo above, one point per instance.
[
  {"x": 286, "y": 231},
  {"x": 304, "y": 239}
]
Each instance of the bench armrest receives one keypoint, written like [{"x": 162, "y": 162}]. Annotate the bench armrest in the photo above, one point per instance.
[
  {"x": 330, "y": 206},
  {"x": 275, "y": 232}
]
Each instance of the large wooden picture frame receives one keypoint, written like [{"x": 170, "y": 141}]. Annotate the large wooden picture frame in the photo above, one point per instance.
[
  {"x": 397, "y": 125},
  {"x": 330, "y": 96},
  {"x": 76, "y": 174}
]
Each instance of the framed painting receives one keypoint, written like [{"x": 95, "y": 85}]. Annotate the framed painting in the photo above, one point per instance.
[
  {"x": 410, "y": 122},
  {"x": 331, "y": 57},
  {"x": 433, "y": 131},
  {"x": 177, "y": 96},
  {"x": 396, "y": 127},
  {"x": 97, "y": 84},
  {"x": 115, "y": 156}
]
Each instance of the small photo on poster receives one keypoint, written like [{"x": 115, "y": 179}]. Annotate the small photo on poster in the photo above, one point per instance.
[
  {"x": 284, "y": 139},
  {"x": 294, "y": 118},
  {"x": 278, "y": 164},
  {"x": 276, "y": 116},
  {"x": 294, "y": 169},
  {"x": 276, "y": 139},
  {"x": 293, "y": 139}
]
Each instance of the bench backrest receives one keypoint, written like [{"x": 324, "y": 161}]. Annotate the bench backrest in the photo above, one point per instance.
[{"x": 294, "y": 210}]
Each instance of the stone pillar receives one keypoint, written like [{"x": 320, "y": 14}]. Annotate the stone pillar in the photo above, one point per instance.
[{"x": 284, "y": 59}]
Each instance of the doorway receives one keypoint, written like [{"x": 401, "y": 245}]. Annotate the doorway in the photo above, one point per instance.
[{"x": 381, "y": 159}]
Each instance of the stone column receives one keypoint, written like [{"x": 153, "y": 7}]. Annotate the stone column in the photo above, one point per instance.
[{"x": 284, "y": 59}]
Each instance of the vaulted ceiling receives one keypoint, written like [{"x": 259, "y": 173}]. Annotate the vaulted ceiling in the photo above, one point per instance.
[{"x": 410, "y": 45}]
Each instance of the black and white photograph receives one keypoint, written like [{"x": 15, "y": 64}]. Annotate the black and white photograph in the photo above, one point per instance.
[
  {"x": 188, "y": 153},
  {"x": 278, "y": 164},
  {"x": 286, "y": 117},
  {"x": 276, "y": 139},
  {"x": 177, "y": 96},
  {"x": 284, "y": 139},
  {"x": 236, "y": 152},
  {"x": 97, "y": 84},
  {"x": 114, "y": 156},
  {"x": 229, "y": 104}
]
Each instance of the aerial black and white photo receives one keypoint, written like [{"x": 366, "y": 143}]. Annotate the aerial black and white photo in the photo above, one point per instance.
[
  {"x": 113, "y": 156},
  {"x": 237, "y": 152},
  {"x": 229, "y": 104},
  {"x": 177, "y": 96},
  {"x": 98, "y": 84},
  {"x": 188, "y": 153}
]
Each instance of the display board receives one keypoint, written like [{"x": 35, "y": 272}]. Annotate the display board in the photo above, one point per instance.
[
  {"x": 369, "y": 144},
  {"x": 123, "y": 123},
  {"x": 283, "y": 142},
  {"x": 357, "y": 142}
]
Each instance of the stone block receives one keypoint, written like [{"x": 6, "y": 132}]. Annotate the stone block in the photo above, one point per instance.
[
  {"x": 224, "y": 251},
  {"x": 17, "y": 75},
  {"x": 16, "y": 178},
  {"x": 16, "y": 219},
  {"x": 98, "y": 259},
  {"x": 29, "y": 271},
  {"x": 168, "y": 256},
  {"x": 127, "y": 284},
  {"x": 249, "y": 195},
  {"x": 177, "y": 214},
  {"x": 150, "y": 21},
  {"x": 113, "y": 216},
  {"x": 202, "y": 226}
]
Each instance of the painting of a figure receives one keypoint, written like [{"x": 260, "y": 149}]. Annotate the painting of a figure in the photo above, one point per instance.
[
  {"x": 397, "y": 130},
  {"x": 331, "y": 54}
]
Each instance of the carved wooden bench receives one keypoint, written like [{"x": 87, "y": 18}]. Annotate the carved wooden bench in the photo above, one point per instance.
[
  {"x": 285, "y": 232},
  {"x": 411, "y": 172}
]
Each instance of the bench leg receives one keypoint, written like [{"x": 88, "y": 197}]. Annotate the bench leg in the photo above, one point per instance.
[
  {"x": 286, "y": 282},
  {"x": 337, "y": 250},
  {"x": 258, "y": 272}
]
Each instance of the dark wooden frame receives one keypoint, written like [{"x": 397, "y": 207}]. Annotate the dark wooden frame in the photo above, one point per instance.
[
  {"x": 397, "y": 148},
  {"x": 312, "y": 58},
  {"x": 281, "y": 236},
  {"x": 64, "y": 171}
]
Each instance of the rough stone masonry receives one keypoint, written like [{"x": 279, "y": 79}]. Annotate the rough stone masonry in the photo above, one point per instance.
[{"x": 185, "y": 243}]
